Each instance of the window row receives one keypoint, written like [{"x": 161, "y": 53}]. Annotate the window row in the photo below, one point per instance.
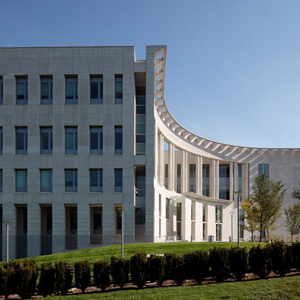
[
  {"x": 71, "y": 89},
  {"x": 71, "y": 140},
  {"x": 46, "y": 179}
]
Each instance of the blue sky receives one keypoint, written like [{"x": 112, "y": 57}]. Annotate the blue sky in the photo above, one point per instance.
[{"x": 232, "y": 70}]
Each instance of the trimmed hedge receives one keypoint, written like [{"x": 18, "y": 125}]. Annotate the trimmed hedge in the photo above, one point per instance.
[
  {"x": 238, "y": 258},
  {"x": 119, "y": 270},
  {"x": 139, "y": 269},
  {"x": 219, "y": 262},
  {"x": 158, "y": 269},
  {"x": 82, "y": 274},
  {"x": 259, "y": 260},
  {"x": 199, "y": 265},
  {"x": 63, "y": 276},
  {"x": 101, "y": 274},
  {"x": 178, "y": 269},
  {"x": 47, "y": 279}
]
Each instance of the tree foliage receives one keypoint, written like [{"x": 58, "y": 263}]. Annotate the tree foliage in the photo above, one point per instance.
[
  {"x": 292, "y": 221},
  {"x": 263, "y": 208},
  {"x": 296, "y": 192},
  {"x": 251, "y": 225}
]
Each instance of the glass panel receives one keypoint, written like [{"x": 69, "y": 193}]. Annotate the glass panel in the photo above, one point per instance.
[
  {"x": 94, "y": 90},
  {"x": 140, "y": 128},
  {"x": 69, "y": 90},
  {"x": 118, "y": 180}
]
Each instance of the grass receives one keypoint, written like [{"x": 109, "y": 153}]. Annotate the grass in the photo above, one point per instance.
[{"x": 275, "y": 288}]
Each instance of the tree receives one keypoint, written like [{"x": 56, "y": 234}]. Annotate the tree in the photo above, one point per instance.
[
  {"x": 292, "y": 221},
  {"x": 265, "y": 204},
  {"x": 296, "y": 193},
  {"x": 251, "y": 225}
]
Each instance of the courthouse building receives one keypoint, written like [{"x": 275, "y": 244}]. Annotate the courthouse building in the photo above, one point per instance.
[{"x": 86, "y": 130}]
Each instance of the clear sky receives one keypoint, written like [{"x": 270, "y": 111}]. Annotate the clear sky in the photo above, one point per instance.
[{"x": 232, "y": 69}]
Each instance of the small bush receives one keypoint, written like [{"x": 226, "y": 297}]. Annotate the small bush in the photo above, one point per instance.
[
  {"x": 63, "y": 276},
  {"x": 259, "y": 260},
  {"x": 219, "y": 262},
  {"x": 139, "y": 269},
  {"x": 169, "y": 258},
  {"x": 47, "y": 279},
  {"x": 238, "y": 258},
  {"x": 7, "y": 281},
  {"x": 279, "y": 259},
  {"x": 177, "y": 269},
  {"x": 120, "y": 270},
  {"x": 199, "y": 265},
  {"x": 101, "y": 274},
  {"x": 296, "y": 255},
  {"x": 82, "y": 274},
  {"x": 157, "y": 269},
  {"x": 27, "y": 279}
]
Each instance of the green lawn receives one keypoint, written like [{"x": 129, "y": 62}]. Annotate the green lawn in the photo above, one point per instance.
[{"x": 275, "y": 288}]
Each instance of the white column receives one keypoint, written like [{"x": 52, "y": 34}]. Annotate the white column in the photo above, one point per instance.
[
  {"x": 212, "y": 184},
  {"x": 171, "y": 167},
  {"x": 199, "y": 164},
  {"x": 198, "y": 221},
  {"x": 231, "y": 197},
  {"x": 161, "y": 160},
  {"x": 186, "y": 219},
  {"x": 217, "y": 181}
]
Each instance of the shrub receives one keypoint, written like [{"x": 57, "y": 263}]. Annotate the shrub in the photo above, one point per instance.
[
  {"x": 296, "y": 255},
  {"x": 168, "y": 257},
  {"x": 101, "y": 274},
  {"x": 139, "y": 269},
  {"x": 279, "y": 258},
  {"x": 27, "y": 278},
  {"x": 46, "y": 284},
  {"x": 219, "y": 262},
  {"x": 82, "y": 274},
  {"x": 7, "y": 281},
  {"x": 177, "y": 269},
  {"x": 120, "y": 270},
  {"x": 238, "y": 258},
  {"x": 63, "y": 276},
  {"x": 259, "y": 260},
  {"x": 157, "y": 269},
  {"x": 199, "y": 265}
]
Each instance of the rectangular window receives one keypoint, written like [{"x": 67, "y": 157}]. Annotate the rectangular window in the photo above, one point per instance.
[
  {"x": 263, "y": 169},
  {"x": 118, "y": 89},
  {"x": 71, "y": 180},
  {"x": 46, "y": 90},
  {"x": 1, "y": 140},
  {"x": 118, "y": 140},
  {"x": 1, "y": 91},
  {"x": 46, "y": 180},
  {"x": 224, "y": 182},
  {"x": 140, "y": 123},
  {"x": 167, "y": 208},
  {"x": 96, "y": 90},
  {"x": 21, "y": 180},
  {"x": 97, "y": 220},
  {"x": 140, "y": 188},
  {"x": 21, "y": 140},
  {"x": 192, "y": 178},
  {"x": 73, "y": 220},
  {"x": 71, "y": 140},
  {"x": 166, "y": 176},
  {"x": 96, "y": 180},
  {"x": 205, "y": 180},
  {"x": 118, "y": 180},
  {"x": 96, "y": 140},
  {"x": 1, "y": 183},
  {"x": 22, "y": 90},
  {"x": 71, "y": 90},
  {"x": 219, "y": 217},
  {"x": 178, "y": 178},
  {"x": 46, "y": 140},
  {"x": 240, "y": 177}
]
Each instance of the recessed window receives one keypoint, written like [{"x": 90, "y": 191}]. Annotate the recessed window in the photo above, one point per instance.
[
  {"x": 21, "y": 140},
  {"x": 263, "y": 169},
  {"x": 21, "y": 180},
  {"x": 71, "y": 90},
  {"x": 118, "y": 89},
  {"x": 46, "y": 140},
  {"x": 96, "y": 90},
  {"x": 1, "y": 90},
  {"x": 46, "y": 180},
  {"x": 22, "y": 90},
  {"x": 96, "y": 140},
  {"x": 1, "y": 140},
  {"x": 96, "y": 180},
  {"x": 1, "y": 184},
  {"x": 118, "y": 140},
  {"x": 71, "y": 140},
  {"x": 46, "y": 90},
  {"x": 71, "y": 180},
  {"x": 118, "y": 180}
]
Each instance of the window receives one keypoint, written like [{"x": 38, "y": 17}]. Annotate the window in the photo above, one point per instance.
[
  {"x": 96, "y": 90},
  {"x": 96, "y": 180},
  {"x": 140, "y": 185},
  {"x": 219, "y": 221},
  {"x": 178, "y": 178},
  {"x": 205, "y": 180},
  {"x": 1, "y": 184},
  {"x": 1, "y": 140},
  {"x": 22, "y": 90},
  {"x": 71, "y": 140},
  {"x": 167, "y": 208},
  {"x": 1, "y": 91},
  {"x": 46, "y": 180},
  {"x": 192, "y": 178},
  {"x": 21, "y": 180},
  {"x": 96, "y": 140},
  {"x": 118, "y": 180},
  {"x": 219, "y": 218},
  {"x": 263, "y": 169},
  {"x": 73, "y": 220},
  {"x": 46, "y": 140},
  {"x": 21, "y": 140},
  {"x": 71, "y": 90},
  {"x": 240, "y": 177},
  {"x": 224, "y": 182},
  {"x": 140, "y": 122},
  {"x": 166, "y": 176},
  {"x": 118, "y": 89},
  {"x": 46, "y": 90},
  {"x": 97, "y": 220},
  {"x": 71, "y": 180},
  {"x": 118, "y": 140}
]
